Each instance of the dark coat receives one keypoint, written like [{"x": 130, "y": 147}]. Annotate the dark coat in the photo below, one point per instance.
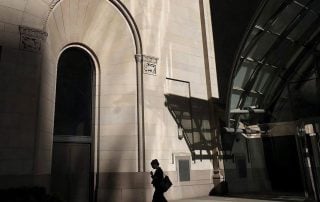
[{"x": 157, "y": 177}]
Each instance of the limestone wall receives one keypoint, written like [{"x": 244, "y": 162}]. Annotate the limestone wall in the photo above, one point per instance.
[
  {"x": 96, "y": 26},
  {"x": 19, "y": 84},
  {"x": 175, "y": 32}
]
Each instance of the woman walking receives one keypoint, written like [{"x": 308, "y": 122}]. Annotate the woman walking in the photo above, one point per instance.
[{"x": 157, "y": 178}]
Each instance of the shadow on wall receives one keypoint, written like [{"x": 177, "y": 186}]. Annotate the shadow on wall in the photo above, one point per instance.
[
  {"x": 220, "y": 189},
  {"x": 193, "y": 118},
  {"x": 28, "y": 194},
  {"x": 19, "y": 95},
  {"x": 116, "y": 182}
]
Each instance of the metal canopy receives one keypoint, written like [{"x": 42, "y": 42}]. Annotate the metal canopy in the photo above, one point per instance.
[{"x": 280, "y": 48}]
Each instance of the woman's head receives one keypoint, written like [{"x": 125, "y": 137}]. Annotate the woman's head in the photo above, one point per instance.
[{"x": 154, "y": 163}]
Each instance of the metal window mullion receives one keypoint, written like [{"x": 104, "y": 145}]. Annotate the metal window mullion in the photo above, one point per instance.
[
  {"x": 251, "y": 93},
  {"x": 267, "y": 25},
  {"x": 259, "y": 62}
]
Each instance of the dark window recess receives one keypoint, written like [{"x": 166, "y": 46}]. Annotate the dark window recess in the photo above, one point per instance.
[
  {"x": 74, "y": 94},
  {"x": 241, "y": 166},
  {"x": 184, "y": 170}
]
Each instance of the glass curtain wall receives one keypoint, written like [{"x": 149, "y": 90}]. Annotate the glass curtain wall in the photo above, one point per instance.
[
  {"x": 275, "y": 80},
  {"x": 280, "y": 48}
]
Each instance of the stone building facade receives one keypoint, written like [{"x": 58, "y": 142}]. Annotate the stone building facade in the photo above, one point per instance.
[{"x": 139, "y": 52}]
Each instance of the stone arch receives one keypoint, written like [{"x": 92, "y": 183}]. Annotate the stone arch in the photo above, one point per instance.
[
  {"x": 98, "y": 16},
  {"x": 140, "y": 96},
  {"x": 74, "y": 124}
]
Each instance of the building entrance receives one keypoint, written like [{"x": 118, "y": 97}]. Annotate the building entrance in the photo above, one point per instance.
[{"x": 71, "y": 174}]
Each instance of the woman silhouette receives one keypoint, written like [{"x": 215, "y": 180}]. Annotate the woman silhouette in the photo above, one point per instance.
[{"x": 157, "y": 178}]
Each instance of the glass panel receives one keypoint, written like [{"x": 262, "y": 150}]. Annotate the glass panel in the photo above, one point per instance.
[
  {"x": 315, "y": 34},
  {"x": 234, "y": 100},
  {"x": 268, "y": 11},
  {"x": 303, "y": 71},
  {"x": 243, "y": 74},
  {"x": 284, "y": 18},
  {"x": 270, "y": 90},
  {"x": 250, "y": 101},
  {"x": 315, "y": 5},
  {"x": 253, "y": 34},
  {"x": 294, "y": 56},
  {"x": 306, "y": 63},
  {"x": 259, "y": 85},
  {"x": 281, "y": 54},
  {"x": 262, "y": 46},
  {"x": 303, "y": 26},
  {"x": 270, "y": 77}
]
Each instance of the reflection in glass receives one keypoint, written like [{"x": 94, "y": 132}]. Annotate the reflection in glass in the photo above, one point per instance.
[
  {"x": 268, "y": 11},
  {"x": 243, "y": 74},
  {"x": 303, "y": 26},
  {"x": 262, "y": 46},
  {"x": 285, "y": 18}
]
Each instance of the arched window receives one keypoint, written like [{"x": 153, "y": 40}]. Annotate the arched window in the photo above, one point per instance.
[{"x": 73, "y": 107}]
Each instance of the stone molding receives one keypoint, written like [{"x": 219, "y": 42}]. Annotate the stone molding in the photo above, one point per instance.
[
  {"x": 53, "y": 3},
  {"x": 149, "y": 63},
  {"x": 31, "y": 39}
]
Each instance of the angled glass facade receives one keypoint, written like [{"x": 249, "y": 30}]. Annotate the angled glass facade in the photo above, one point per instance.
[
  {"x": 277, "y": 60},
  {"x": 273, "y": 101}
]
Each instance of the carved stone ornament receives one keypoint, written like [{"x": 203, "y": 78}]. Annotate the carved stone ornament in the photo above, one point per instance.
[
  {"x": 149, "y": 63},
  {"x": 30, "y": 39}
]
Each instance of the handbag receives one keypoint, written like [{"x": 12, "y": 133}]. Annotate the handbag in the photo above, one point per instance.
[{"x": 165, "y": 183}]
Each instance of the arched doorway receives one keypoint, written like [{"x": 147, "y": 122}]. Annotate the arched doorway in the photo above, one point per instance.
[{"x": 72, "y": 156}]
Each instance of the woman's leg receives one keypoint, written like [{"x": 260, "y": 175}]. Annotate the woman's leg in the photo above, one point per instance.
[{"x": 158, "y": 196}]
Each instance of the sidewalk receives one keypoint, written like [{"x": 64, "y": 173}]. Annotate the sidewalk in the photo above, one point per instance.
[{"x": 233, "y": 199}]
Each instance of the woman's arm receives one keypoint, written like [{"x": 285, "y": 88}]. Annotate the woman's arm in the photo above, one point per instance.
[{"x": 157, "y": 177}]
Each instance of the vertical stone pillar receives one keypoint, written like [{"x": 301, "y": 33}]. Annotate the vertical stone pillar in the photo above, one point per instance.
[
  {"x": 140, "y": 106},
  {"x": 31, "y": 40},
  {"x": 212, "y": 89},
  {"x": 145, "y": 65}
]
